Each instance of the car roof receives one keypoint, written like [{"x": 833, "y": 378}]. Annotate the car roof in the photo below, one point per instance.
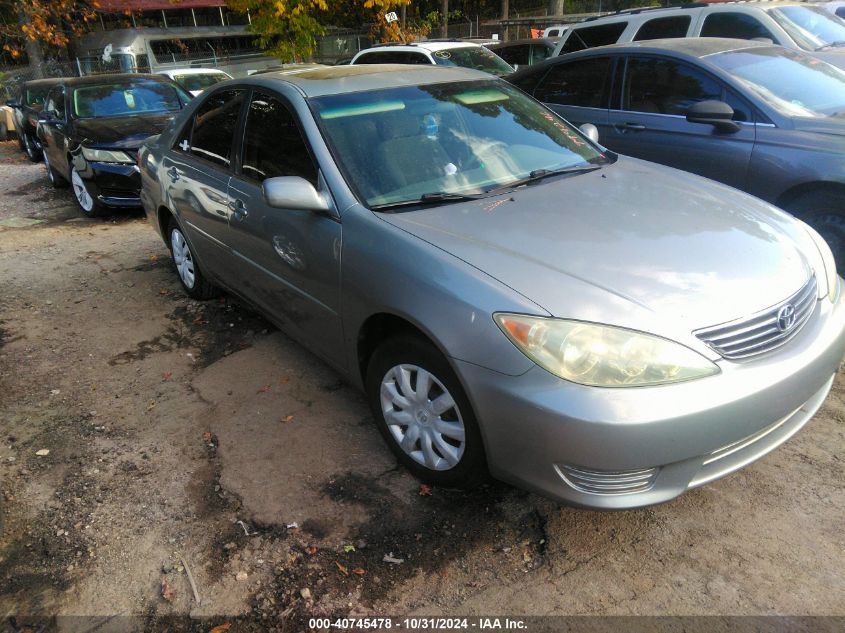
[
  {"x": 430, "y": 46},
  {"x": 190, "y": 71},
  {"x": 93, "y": 80},
  {"x": 699, "y": 5},
  {"x": 692, "y": 46},
  {"x": 43, "y": 82},
  {"x": 548, "y": 41},
  {"x": 332, "y": 80}
]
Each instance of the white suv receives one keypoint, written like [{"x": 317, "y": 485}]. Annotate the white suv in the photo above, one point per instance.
[
  {"x": 791, "y": 24},
  {"x": 453, "y": 53}
]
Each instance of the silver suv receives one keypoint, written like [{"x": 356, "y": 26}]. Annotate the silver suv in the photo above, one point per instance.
[{"x": 792, "y": 25}]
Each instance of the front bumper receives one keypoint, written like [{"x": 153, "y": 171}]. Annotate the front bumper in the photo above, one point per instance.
[
  {"x": 625, "y": 448},
  {"x": 113, "y": 184}
]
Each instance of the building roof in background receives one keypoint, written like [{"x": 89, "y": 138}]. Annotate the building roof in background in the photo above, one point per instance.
[{"x": 119, "y": 6}]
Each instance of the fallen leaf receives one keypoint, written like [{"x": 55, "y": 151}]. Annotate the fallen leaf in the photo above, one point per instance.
[
  {"x": 342, "y": 569},
  {"x": 43, "y": 452},
  {"x": 285, "y": 380},
  {"x": 207, "y": 437},
  {"x": 425, "y": 490},
  {"x": 164, "y": 291},
  {"x": 311, "y": 550},
  {"x": 153, "y": 258},
  {"x": 264, "y": 389},
  {"x": 348, "y": 548},
  {"x": 166, "y": 376},
  {"x": 287, "y": 418},
  {"x": 221, "y": 628},
  {"x": 152, "y": 405},
  {"x": 167, "y": 592},
  {"x": 359, "y": 571}
]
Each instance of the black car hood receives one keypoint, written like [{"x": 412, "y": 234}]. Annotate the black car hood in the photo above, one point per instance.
[{"x": 121, "y": 132}]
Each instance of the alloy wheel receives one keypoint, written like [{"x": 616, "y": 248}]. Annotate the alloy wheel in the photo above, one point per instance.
[
  {"x": 182, "y": 258},
  {"x": 82, "y": 196},
  {"x": 422, "y": 417}
]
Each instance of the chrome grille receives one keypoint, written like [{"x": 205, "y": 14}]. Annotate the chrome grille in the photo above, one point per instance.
[
  {"x": 760, "y": 333},
  {"x": 604, "y": 482}
]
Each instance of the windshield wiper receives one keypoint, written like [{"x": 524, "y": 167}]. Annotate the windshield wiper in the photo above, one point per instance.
[
  {"x": 836, "y": 44},
  {"x": 540, "y": 174},
  {"x": 432, "y": 198}
]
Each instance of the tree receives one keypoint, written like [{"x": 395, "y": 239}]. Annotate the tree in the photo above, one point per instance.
[
  {"x": 42, "y": 25},
  {"x": 286, "y": 28}
]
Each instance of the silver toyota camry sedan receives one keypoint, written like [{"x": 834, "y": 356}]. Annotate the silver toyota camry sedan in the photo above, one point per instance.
[{"x": 514, "y": 299}]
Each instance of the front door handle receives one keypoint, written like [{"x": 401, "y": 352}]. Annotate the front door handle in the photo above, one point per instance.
[
  {"x": 624, "y": 127},
  {"x": 238, "y": 208},
  {"x": 173, "y": 173}
]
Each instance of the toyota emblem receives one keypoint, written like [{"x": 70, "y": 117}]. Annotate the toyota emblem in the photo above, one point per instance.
[{"x": 786, "y": 317}]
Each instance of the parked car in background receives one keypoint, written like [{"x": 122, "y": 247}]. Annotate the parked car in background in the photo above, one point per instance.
[
  {"x": 91, "y": 128},
  {"x": 195, "y": 80},
  {"x": 794, "y": 25},
  {"x": 509, "y": 295},
  {"x": 27, "y": 106},
  {"x": 519, "y": 53},
  {"x": 836, "y": 7},
  {"x": 762, "y": 118},
  {"x": 441, "y": 53}
]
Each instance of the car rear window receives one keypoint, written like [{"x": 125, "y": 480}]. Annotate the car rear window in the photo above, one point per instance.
[
  {"x": 590, "y": 36},
  {"x": 735, "y": 25},
  {"x": 193, "y": 82},
  {"x": 578, "y": 83}
]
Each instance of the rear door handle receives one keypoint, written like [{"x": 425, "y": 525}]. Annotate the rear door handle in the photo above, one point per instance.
[
  {"x": 238, "y": 208},
  {"x": 173, "y": 173}
]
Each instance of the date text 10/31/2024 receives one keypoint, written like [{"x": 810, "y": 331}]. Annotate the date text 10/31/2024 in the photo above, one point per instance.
[{"x": 417, "y": 624}]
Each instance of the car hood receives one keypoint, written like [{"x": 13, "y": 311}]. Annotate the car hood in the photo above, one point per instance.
[
  {"x": 633, "y": 244},
  {"x": 121, "y": 132}
]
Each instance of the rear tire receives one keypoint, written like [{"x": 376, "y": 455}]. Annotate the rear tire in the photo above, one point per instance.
[
  {"x": 190, "y": 275},
  {"x": 825, "y": 212},
  {"x": 31, "y": 148},
  {"x": 423, "y": 413}
]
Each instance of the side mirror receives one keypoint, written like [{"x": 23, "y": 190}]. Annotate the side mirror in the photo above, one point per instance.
[
  {"x": 295, "y": 193},
  {"x": 716, "y": 113},
  {"x": 12, "y": 103},
  {"x": 590, "y": 131}
]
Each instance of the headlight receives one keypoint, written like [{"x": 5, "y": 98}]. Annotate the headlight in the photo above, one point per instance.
[
  {"x": 828, "y": 261},
  {"x": 106, "y": 156},
  {"x": 601, "y": 355}
]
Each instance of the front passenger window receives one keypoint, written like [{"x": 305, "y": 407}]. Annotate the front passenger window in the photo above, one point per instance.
[{"x": 273, "y": 144}]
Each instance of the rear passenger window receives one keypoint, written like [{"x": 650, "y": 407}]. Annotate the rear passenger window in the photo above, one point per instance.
[
  {"x": 590, "y": 36},
  {"x": 578, "y": 83},
  {"x": 393, "y": 57},
  {"x": 661, "y": 86},
  {"x": 736, "y": 25},
  {"x": 212, "y": 130},
  {"x": 273, "y": 145},
  {"x": 658, "y": 28},
  {"x": 515, "y": 54}
]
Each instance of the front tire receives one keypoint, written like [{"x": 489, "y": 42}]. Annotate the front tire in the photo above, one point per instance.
[
  {"x": 423, "y": 414},
  {"x": 825, "y": 212},
  {"x": 87, "y": 203},
  {"x": 191, "y": 277}
]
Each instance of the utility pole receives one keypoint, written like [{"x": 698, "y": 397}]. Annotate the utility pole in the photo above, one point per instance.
[
  {"x": 444, "y": 9},
  {"x": 505, "y": 13}
]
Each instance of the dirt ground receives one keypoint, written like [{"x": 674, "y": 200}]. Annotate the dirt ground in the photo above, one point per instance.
[{"x": 187, "y": 436}]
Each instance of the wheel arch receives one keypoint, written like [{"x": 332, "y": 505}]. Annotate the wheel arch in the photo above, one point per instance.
[{"x": 789, "y": 197}]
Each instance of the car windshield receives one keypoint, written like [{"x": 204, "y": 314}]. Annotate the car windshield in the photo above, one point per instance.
[
  {"x": 792, "y": 82},
  {"x": 811, "y": 28},
  {"x": 476, "y": 57},
  {"x": 193, "y": 82},
  {"x": 125, "y": 98},
  {"x": 435, "y": 142},
  {"x": 36, "y": 96}
]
